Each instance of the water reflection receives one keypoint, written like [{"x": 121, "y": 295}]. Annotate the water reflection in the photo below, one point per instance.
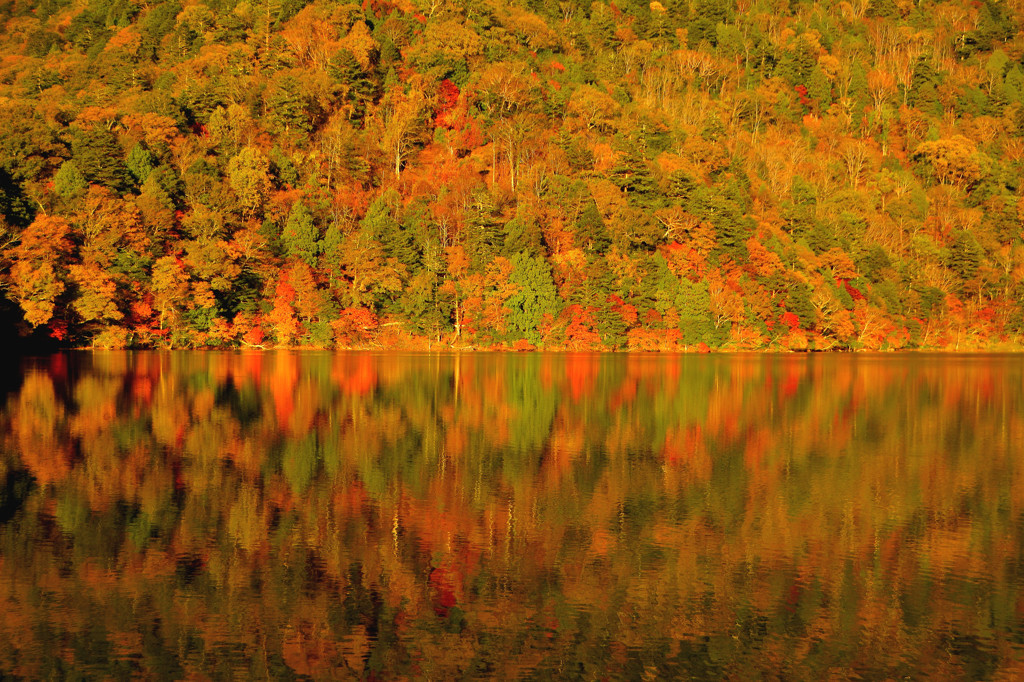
[{"x": 380, "y": 515}]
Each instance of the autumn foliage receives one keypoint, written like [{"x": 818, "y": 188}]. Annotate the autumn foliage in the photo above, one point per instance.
[{"x": 575, "y": 175}]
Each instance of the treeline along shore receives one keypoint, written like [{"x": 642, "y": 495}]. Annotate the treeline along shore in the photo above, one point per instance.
[{"x": 631, "y": 175}]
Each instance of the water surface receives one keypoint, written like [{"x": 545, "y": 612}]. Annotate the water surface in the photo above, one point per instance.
[{"x": 171, "y": 515}]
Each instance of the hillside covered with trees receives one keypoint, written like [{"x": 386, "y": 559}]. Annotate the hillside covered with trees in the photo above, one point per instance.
[{"x": 734, "y": 174}]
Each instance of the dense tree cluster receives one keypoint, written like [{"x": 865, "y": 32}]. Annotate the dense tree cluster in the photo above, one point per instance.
[{"x": 435, "y": 173}]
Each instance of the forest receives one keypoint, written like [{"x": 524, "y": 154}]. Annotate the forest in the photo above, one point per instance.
[{"x": 427, "y": 174}]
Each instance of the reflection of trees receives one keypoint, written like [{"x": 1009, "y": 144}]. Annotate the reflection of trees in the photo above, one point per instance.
[{"x": 434, "y": 515}]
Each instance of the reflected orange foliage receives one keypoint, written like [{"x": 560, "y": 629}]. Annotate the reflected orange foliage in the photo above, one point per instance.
[{"x": 335, "y": 512}]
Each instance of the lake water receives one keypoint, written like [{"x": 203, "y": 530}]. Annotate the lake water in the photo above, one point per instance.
[{"x": 170, "y": 515}]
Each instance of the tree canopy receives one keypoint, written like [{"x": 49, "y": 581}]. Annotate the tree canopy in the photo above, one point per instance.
[{"x": 571, "y": 175}]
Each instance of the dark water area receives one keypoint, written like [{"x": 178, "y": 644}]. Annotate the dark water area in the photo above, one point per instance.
[
  {"x": 394, "y": 516},
  {"x": 17, "y": 338}
]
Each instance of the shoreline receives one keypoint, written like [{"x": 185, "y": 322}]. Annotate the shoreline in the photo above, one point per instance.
[{"x": 1001, "y": 349}]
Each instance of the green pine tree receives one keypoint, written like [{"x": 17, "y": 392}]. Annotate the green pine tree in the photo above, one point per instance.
[
  {"x": 69, "y": 181},
  {"x": 965, "y": 255},
  {"x": 523, "y": 235},
  {"x": 819, "y": 89},
  {"x": 633, "y": 177},
  {"x": 591, "y": 233},
  {"x": 100, "y": 158},
  {"x": 536, "y": 296},
  {"x": 357, "y": 88},
  {"x": 484, "y": 237},
  {"x": 140, "y": 163},
  {"x": 301, "y": 236},
  {"x": 693, "y": 302}
]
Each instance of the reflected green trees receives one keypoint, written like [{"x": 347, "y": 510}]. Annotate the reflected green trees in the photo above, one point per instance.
[{"x": 570, "y": 516}]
